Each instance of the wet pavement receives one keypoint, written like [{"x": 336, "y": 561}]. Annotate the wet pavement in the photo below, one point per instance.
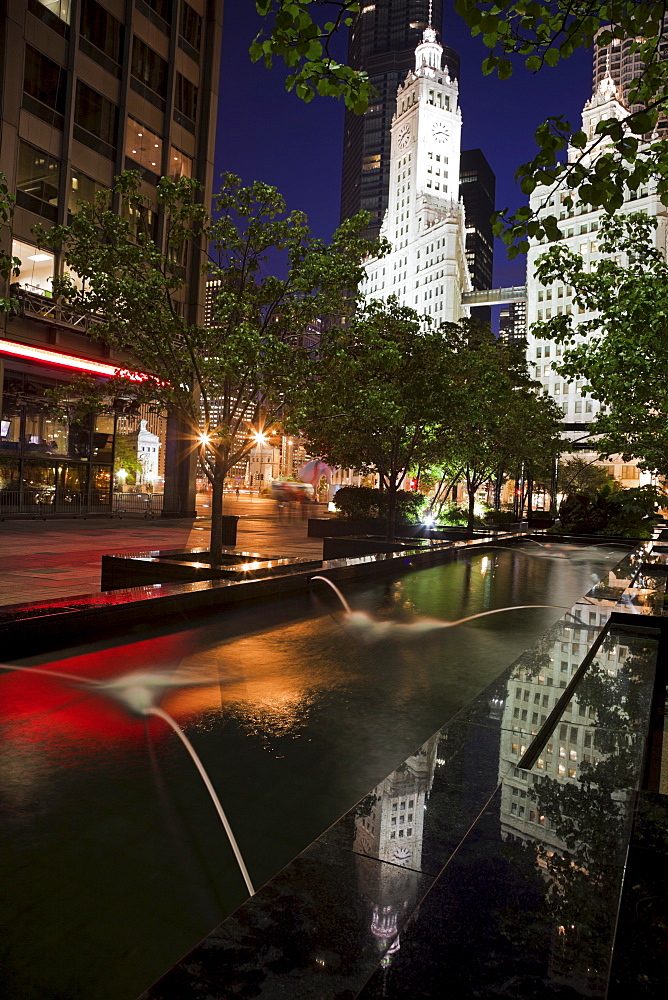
[{"x": 43, "y": 559}]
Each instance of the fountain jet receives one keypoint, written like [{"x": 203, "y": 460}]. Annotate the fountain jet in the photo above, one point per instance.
[
  {"x": 371, "y": 630},
  {"x": 138, "y": 692}
]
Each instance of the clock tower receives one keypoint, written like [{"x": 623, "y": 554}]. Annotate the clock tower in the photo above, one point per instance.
[{"x": 424, "y": 222}]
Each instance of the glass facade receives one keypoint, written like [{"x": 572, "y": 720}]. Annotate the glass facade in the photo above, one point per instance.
[{"x": 47, "y": 458}]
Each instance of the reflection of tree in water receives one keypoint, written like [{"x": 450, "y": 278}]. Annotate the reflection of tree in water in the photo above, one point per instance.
[
  {"x": 575, "y": 829},
  {"x": 591, "y": 817}
]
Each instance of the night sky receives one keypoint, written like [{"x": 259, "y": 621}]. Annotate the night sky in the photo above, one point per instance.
[{"x": 267, "y": 134}]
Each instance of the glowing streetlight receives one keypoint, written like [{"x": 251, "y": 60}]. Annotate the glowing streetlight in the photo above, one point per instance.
[
  {"x": 122, "y": 475},
  {"x": 204, "y": 438}
]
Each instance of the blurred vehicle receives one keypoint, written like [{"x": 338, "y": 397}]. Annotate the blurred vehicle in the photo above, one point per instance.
[{"x": 283, "y": 491}]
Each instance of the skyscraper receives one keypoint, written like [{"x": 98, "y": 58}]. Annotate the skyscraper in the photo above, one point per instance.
[
  {"x": 477, "y": 187},
  {"x": 88, "y": 91},
  {"x": 427, "y": 268},
  {"x": 382, "y": 41},
  {"x": 513, "y": 323}
]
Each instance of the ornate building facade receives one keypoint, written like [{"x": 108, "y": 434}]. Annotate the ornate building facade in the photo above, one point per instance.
[{"x": 425, "y": 220}]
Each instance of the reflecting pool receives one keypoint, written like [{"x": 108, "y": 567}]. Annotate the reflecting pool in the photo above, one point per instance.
[{"x": 113, "y": 860}]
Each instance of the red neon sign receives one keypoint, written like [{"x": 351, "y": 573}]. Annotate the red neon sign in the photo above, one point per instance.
[{"x": 68, "y": 361}]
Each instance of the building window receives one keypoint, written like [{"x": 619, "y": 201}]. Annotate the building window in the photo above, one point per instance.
[
  {"x": 82, "y": 188},
  {"x": 191, "y": 28},
  {"x": 96, "y": 117},
  {"x": 143, "y": 146},
  {"x": 180, "y": 165},
  {"x": 36, "y": 272},
  {"x": 185, "y": 101},
  {"x": 44, "y": 87},
  {"x": 102, "y": 31},
  {"x": 37, "y": 181},
  {"x": 149, "y": 68},
  {"x": 59, "y": 8}
]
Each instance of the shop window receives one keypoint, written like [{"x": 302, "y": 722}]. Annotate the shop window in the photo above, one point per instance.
[
  {"x": 103, "y": 438},
  {"x": 44, "y": 87},
  {"x": 95, "y": 120},
  {"x": 185, "y": 99},
  {"x": 45, "y": 434},
  {"x": 101, "y": 33},
  {"x": 37, "y": 181},
  {"x": 143, "y": 146},
  {"x": 149, "y": 68}
]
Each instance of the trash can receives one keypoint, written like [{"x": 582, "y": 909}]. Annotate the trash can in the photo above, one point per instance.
[{"x": 230, "y": 529}]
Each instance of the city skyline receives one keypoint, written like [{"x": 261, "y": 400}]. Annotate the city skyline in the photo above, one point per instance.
[{"x": 267, "y": 134}]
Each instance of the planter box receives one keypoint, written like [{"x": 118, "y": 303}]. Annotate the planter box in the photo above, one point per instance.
[
  {"x": 349, "y": 547},
  {"x": 137, "y": 569},
  {"x": 377, "y": 526}
]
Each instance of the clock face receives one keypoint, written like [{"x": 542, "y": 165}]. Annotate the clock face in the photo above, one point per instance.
[
  {"x": 404, "y": 136},
  {"x": 440, "y": 134},
  {"x": 401, "y": 855}
]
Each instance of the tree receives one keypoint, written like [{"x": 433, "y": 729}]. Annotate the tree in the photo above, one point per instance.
[
  {"x": 503, "y": 422},
  {"x": 622, "y": 351},
  {"x": 578, "y": 476},
  {"x": 535, "y": 34},
  {"x": 9, "y": 264},
  {"x": 384, "y": 385},
  {"x": 219, "y": 380}
]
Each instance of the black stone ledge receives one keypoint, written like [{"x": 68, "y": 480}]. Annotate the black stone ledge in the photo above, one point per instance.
[
  {"x": 30, "y": 628},
  {"x": 313, "y": 932}
]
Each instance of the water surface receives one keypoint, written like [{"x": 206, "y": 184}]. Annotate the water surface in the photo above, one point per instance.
[{"x": 113, "y": 860}]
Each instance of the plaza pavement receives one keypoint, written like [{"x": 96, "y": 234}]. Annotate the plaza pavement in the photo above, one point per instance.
[{"x": 40, "y": 560}]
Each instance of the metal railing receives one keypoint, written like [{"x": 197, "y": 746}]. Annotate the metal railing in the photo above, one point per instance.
[
  {"x": 39, "y": 306},
  {"x": 146, "y": 504},
  {"x": 41, "y": 503}
]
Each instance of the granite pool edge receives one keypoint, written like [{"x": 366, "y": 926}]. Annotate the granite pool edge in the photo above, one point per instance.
[{"x": 242, "y": 936}]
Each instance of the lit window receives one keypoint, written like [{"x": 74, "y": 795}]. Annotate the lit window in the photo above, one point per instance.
[
  {"x": 143, "y": 146},
  {"x": 180, "y": 165},
  {"x": 36, "y": 273}
]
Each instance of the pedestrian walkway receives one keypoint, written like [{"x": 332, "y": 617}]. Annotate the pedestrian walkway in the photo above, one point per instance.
[{"x": 61, "y": 558}]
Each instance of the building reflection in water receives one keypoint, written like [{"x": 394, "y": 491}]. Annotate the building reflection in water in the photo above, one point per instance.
[
  {"x": 573, "y": 807},
  {"x": 389, "y": 825}
]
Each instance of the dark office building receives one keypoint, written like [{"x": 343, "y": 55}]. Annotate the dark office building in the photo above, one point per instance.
[
  {"x": 477, "y": 187},
  {"x": 383, "y": 39},
  {"x": 513, "y": 323}
]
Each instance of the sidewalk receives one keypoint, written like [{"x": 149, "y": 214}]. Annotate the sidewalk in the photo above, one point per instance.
[{"x": 44, "y": 559}]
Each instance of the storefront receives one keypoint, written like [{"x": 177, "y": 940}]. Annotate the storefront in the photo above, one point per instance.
[{"x": 47, "y": 460}]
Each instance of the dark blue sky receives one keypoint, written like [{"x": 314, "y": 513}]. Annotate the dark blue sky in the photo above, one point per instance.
[{"x": 267, "y": 134}]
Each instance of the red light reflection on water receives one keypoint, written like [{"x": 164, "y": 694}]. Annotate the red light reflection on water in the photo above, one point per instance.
[{"x": 51, "y": 710}]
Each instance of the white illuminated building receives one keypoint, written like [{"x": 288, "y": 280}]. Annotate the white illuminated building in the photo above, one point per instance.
[
  {"x": 427, "y": 268},
  {"x": 579, "y": 226}
]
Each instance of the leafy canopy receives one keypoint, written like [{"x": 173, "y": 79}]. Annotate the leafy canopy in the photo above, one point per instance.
[
  {"x": 304, "y": 44},
  {"x": 621, "y": 351}
]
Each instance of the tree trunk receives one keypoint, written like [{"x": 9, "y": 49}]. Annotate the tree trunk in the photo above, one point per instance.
[
  {"x": 471, "y": 513},
  {"x": 216, "y": 548},
  {"x": 498, "y": 483},
  {"x": 391, "y": 515},
  {"x": 529, "y": 497}
]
